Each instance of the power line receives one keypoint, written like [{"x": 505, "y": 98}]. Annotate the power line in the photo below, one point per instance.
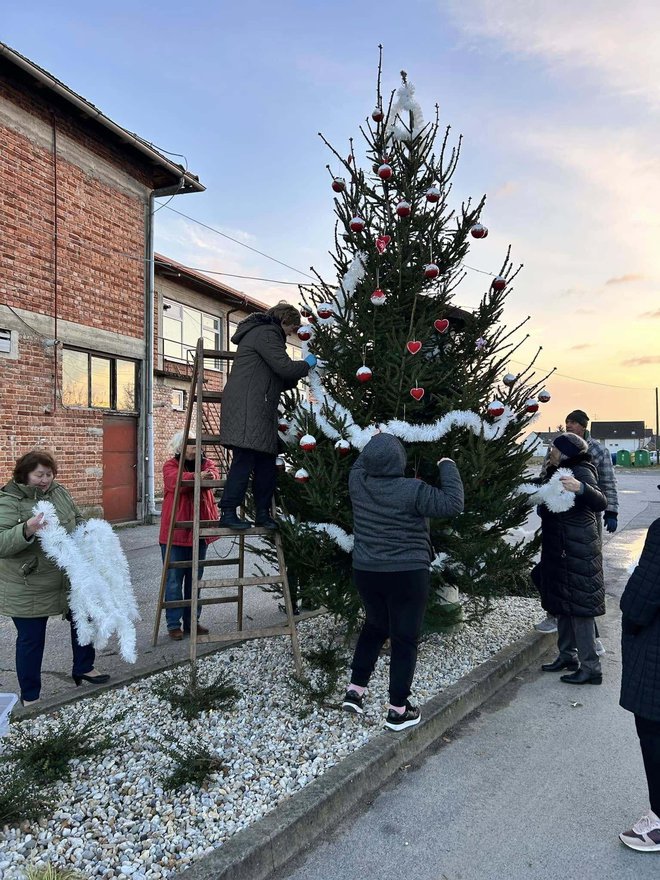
[{"x": 589, "y": 381}]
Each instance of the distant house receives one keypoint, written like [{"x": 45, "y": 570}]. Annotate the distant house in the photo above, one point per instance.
[
  {"x": 621, "y": 435},
  {"x": 538, "y": 442}
]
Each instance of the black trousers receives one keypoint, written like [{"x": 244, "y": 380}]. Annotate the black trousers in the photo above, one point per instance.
[
  {"x": 649, "y": 739},
  {"x": 394, "y": 602},
  {"x": 243, "y": 463}
]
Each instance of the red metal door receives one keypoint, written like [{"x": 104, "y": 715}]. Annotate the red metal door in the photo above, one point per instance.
[{"x": 119, "y": 468}]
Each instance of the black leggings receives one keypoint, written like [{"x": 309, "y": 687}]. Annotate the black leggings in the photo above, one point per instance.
[
  {"x": 394, "y": 602},
  {"x": 648, "y": 732}
]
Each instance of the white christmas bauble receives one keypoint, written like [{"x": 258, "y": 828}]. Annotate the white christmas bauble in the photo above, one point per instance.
[
  {"x": 499, "y": 283},
  {"x": 357, "y": 224},
  {"x": 496, "y": 409},
  {"x": 509, "y": 379},
  {"x": 478, "y": 231},
  {"x": 544, "y": 396},
  {"x": 531, "y": 405},
  {"x": 431, "y": 270},
  {"x": 324, "y": 310},
  {"x": 304, "y": 332},
  {"x": 280, "y": 463},
  {"x": 404, "y": 208},
  {"x": 433, "y": 194},
  {"x": 307, "y": 442},
  {"x": 301, "y": 476},
  {"x": 378, "y": 297},
  {"x": 343, "y": 447},
  {"x": 364, "y": 374}
]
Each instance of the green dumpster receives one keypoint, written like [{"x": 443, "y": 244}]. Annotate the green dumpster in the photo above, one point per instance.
[
  {"x": 623, "y": 458},
  {"x": 642, "y": 458}
]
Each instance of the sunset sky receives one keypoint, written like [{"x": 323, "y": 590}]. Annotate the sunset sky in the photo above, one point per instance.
[{"x": 558, "y": 102}]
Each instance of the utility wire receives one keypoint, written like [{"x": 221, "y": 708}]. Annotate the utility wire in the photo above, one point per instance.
[{"x": 588, "y": 381}]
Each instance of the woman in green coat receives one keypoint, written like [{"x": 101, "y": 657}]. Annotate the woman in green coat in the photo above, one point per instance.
[{"x": 32, "y": 587}]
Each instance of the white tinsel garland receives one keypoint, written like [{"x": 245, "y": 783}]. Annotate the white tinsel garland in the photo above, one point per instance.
[
  {"x": 552, "y": 494},
  {"x": 405, "y": 104},
  {"x": 101, "y": 599},
  {"x": 352, "y": 277}
]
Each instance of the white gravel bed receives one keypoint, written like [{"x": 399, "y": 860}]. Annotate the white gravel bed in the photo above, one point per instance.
[{"x": 114, "y": 818}]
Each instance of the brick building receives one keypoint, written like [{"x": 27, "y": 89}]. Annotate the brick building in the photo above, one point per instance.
[{"x": 76, "y": 294}]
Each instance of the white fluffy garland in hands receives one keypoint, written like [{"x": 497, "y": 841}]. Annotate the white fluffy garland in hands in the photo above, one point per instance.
[
  {"x": 101, "y": 598},
  {"x": 552, "y": 494}
]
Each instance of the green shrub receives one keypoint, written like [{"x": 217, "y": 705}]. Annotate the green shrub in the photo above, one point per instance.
[
  {"x": 192, "y": 765},
  {"x": 22, "y": 796},
  {"x": 190, "y": 697}
]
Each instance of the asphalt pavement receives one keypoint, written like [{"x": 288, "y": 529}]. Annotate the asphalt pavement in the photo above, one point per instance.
[{"x": 535, "y": 785}]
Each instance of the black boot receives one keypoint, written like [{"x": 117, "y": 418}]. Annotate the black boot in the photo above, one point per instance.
[
  {"x": 264, "y": 520},
  {"x": 559, "y": 664},
  {"x": 583, "y": 676},
  {"x": 229, "y": 520}
]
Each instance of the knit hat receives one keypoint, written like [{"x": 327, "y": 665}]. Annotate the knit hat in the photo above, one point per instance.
[
  {"x": 570, "y": 444},
  {"x": 579, "y": 416}
]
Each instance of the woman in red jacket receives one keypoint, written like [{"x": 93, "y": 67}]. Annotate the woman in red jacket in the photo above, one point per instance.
[{"x": 179, "y": 580}]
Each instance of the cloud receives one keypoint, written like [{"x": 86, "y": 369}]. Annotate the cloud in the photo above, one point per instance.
[
  {"x": 643, "y": 361},
  {"x": 581, "y": 346},
  {"x": 625, "y": 279},
  {"x": 509, "y": 187},
  {"x": 616, "y": 43},
  {"x": 655, "y": 314}
]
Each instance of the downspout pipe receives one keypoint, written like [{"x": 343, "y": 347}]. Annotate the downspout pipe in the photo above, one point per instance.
[{"x": 149, "y": 507}]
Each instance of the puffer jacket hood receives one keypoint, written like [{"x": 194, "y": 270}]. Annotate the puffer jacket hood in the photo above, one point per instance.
[
  {"x": 252, "y": 321},
  {"x": 384, "y": 456}
]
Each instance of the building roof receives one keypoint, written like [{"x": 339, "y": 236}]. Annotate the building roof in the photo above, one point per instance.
[
  {"x": 168, "y": 177},
  {"x": 617, "y": 430},
  {"x": 168, "y": 268}
]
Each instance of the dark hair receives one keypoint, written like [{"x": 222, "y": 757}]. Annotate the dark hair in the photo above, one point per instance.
[
  {"x": 285, "y": 313},
  {"x": 30, "y": 461}
]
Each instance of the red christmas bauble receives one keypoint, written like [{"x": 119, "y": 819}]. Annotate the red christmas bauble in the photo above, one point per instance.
[
  {"x": 338, "y": 184},
  {"x": 364, "y": 374},
  {"x": 377, "y": 114},
  {"x": 312, "y": 318},
  {"x": 404, "y": 208},
  {"x": 301, "y": 476},
  {"x": 378, "y": 297},
  {"x": 417, "y": 393},
  {"x": 531, "y": 405},
  {"x": 307, "y": 442},
  {"x": 433, "y": 194},
  {"x": 509, "y": 379},
  {"x": 478, "y": 231},
  {"x": 544, "y": 396},
  {"x": 283, "y": 426},
  {"x": 280, "y": 464},
  {"x": 324, "y": 310},
  {"x": 499, "y": 283},
  {"x": 495, "y": 409},
  {"x": 413, "y": 346},
  {"x": 385, "y": 171},
  {"x": 305, "y": 332},
  {"x": 431, "y": 270},
  {"x": 357, "y": 224},
  {"x": 343, "y": 447},
  {"x": 441, "y": 325},
  {"x": 306, "y": 312}
]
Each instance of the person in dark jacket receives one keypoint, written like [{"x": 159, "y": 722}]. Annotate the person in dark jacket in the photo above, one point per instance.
[
  {"x": 570, "y": 573},
  {"x": 392, "y": 553},
  {"x": 261, "y": 371},
  {"x": 640, "y": 679}
]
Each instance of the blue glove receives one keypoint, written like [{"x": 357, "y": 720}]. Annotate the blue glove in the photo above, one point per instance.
[
  {"x": 311, "y": 359},
  {"x": 611, "y": 521}
]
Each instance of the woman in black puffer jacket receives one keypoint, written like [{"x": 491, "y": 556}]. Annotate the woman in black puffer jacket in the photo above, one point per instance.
[
  {"x": 570, "y": 574},
  {"x": 640, "y": 679}
]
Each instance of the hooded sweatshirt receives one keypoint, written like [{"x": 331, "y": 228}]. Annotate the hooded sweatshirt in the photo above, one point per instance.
[{"x": 390, "y": 511}]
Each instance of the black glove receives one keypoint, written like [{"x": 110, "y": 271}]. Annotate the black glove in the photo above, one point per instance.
[{"x": 611, "y": 521}]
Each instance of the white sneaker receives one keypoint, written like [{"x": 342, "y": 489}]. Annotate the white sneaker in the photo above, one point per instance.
[
  {"x": 600, "y": 648},
  {"x": 644, "y": 836},
  {"x": 547, "y": 625}
]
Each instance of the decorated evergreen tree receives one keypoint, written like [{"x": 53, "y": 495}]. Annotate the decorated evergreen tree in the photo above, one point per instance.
[{"x": 397, "y": 353}]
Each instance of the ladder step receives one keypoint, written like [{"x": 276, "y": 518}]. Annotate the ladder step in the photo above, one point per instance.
[
  {"x": 206, "y": 440},
  {"x": 240, "y": 582},
  {"x": 186, "y": 603},
  {"x": 210, "y": 532},
  {"x": 205, "y": 484},
  {"x": 218, "y": 354},
  {"x": 210, "y": 397},
  {"x": 244, "y": 635},
  {"x": 187, "y": 563}
]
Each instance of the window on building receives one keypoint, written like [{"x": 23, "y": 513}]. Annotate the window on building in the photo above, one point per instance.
[
  {"x": 233, "y": 327},
  {"x": 294, "y": 351},
  {"x": 182, "y": 327},
  {"x": 5, "y": 341},
  {"x": 178, "y": 399},
  {"x": 98, "y": 381}
]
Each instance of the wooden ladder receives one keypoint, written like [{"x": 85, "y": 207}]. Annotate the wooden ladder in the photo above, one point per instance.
[{"x": 207, "y": 423}]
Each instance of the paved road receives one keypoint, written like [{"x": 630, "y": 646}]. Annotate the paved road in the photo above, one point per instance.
[{"x": 536, "y": 785}]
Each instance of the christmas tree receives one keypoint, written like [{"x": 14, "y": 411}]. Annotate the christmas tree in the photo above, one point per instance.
[{"x": 397, "y": 353}]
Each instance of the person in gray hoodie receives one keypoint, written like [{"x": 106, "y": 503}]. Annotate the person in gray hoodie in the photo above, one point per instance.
[{"x": 392, "y": 553}]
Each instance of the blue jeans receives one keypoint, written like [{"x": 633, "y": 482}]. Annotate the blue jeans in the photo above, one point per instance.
[
  {"x": 30, "y": 642},
  {"x": 179, "y": 584}
]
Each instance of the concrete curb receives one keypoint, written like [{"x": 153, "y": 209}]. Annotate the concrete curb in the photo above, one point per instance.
[{"x": 257, "y": 851}]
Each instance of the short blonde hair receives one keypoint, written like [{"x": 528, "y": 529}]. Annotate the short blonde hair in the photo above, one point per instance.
[
  {"x": 176, "y": 444},
  {"x": 285, "y": 313}
]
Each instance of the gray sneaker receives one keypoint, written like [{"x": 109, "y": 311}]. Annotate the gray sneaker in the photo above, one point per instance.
[
  {"x": 547, "y": 625},
  {"x": 644, "y": 836}
]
